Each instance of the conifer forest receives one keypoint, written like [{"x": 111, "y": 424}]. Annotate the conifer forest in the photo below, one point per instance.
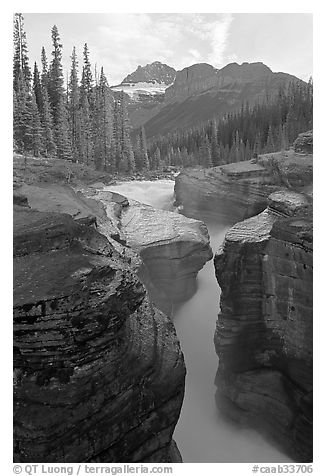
[{"x": 82, "y": 120}]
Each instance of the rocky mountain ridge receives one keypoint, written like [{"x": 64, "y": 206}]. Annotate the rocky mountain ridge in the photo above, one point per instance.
[
  {"x": 153, "y": 72},
  {"x": 201, "y": 92},
  {"x": 164, "y": 99}
]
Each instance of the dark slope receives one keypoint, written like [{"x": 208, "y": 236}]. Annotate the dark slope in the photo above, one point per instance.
[{"x": 233, "y": 86}]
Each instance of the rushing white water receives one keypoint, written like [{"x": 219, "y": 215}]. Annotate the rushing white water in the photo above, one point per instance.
[{"x": 202, "y": 434}]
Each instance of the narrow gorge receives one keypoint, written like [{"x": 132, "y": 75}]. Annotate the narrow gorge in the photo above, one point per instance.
[
  {"x": 162, "y": 242},
  {"x": 107, "y": 301},
  {"x": 264, "y": 267}
]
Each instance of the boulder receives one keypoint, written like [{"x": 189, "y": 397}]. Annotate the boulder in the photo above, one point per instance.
[
  {"x": 172, "y": 248},
  {"x": 99, "y": 374}
]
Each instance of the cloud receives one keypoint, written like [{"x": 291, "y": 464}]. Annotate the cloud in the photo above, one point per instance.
[
  {"x": 123, "y": 41},
  {"x": 219, "y": 36}
]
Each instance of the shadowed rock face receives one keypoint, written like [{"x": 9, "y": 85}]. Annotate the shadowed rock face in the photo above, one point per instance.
[
  {"x": 193, "y": 79},
  {"x": 264, "y": 329},
  {"x": 224, "y": 194},
  {"x": 99, "y": 374},
  {"x": 237, "y": 191}
]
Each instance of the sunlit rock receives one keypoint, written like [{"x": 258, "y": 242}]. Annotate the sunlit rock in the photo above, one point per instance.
[{"x": 173, "y": 248}]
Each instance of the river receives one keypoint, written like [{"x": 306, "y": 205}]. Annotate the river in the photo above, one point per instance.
[{"x": 202, "y": 434}]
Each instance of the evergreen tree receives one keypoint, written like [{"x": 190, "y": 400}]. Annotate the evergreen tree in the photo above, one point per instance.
[
  {"x": 141, "y": 153},
  {"x": 58, "y": 99},
  {"x": 237, "y": 146},
  {"x": 216, "y": 156},
  {"x": 143, "y": 145},
  {"x": 73, "y": 107},
  {"x": 257, "y": 144},
  {"x": 85, "y": 132},
  {"x": 61, "y": 131},
  {"x": 20, "y": 113},
  {"x": 33, "y": 129},
  {"x": 55, "y": 85},
  {"x": 137, "y": 154},
  {"x": 121, "y": 136},
  {"x": 205, "y": 153},
  {"x": 87, "y": 83},
  {"x": 242, "y": 151},
  {"x": 45, "y": 70},
  {"x": 49, "y": 147},
  {"x": 37, "y": 88},
  {"x": 270, "y": 144},
  {"x": 21, "y": 69},
  {"x": 157, "y": 159},
  {"x": 247, "y": 151},
  {"x": 103, "y": 134}
]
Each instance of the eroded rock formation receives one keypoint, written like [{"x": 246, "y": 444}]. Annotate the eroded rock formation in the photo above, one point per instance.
[
  {"x": 264, "y": 330},
  {"x": 236, "y": 191},
  {"x": 173, "y": 248},
  {"x": 99, "y": 374}
]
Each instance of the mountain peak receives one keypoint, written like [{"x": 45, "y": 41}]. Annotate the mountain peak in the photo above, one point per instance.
[
  {"x": 153, "y": 72},
  {"x": 245, "y": 71}
]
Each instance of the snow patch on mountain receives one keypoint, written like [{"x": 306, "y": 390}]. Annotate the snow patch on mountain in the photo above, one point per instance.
[{"x": 136, "y": 90}]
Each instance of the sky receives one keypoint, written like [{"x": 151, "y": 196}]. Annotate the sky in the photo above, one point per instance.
[{"x": 121, "y": 41}]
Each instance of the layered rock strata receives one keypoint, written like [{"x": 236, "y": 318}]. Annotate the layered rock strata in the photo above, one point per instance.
[
  {"x": 172, "y": 248},
  {"x": 237, "y": 191},
  {"x": 264, "y": 330},
  {"x": 99, "y": 374}
]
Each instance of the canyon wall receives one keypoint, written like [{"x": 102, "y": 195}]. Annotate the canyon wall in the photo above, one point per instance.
[
  {"x": 98, "y": 371},
  {"x": 264, "y": 268},
  {"x": 264, "y": 330},
  {"x": 237, "y": 191}
]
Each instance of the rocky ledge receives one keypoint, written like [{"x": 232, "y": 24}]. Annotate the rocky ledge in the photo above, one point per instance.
[
  {"x": 99, "y": 374},
  {"x": 264, "y": 330},
  {"x": 172, "y": 248},
  {"x": 237, "y": 191}
]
